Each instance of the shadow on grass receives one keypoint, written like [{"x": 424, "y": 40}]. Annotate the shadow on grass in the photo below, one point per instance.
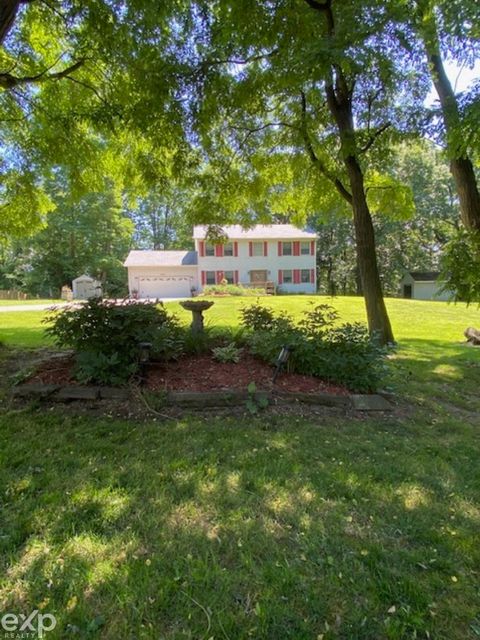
[
  {"x": 438, "y": 370},
  {"x": 237, "y": 529}
]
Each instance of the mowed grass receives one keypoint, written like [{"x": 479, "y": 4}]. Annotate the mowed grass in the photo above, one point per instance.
[
  {"x": 23, "y": 329},
  {"x": 239, "y": 528},
  {"x": 267, "y": 528}
]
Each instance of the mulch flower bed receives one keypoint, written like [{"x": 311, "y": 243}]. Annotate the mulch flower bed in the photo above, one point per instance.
[{"x": 201, "y": 373}]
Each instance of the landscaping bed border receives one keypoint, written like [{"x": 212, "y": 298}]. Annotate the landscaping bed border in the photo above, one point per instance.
[{"x": 203, "y": 399}]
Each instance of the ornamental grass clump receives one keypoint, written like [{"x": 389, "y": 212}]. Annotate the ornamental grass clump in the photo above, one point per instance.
[{"x": 106, "y": 337}]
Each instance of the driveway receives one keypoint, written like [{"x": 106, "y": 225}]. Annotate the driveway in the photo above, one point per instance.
[
  {"x": 31, "y": 307},
  {"x": 42, "y": 307}
]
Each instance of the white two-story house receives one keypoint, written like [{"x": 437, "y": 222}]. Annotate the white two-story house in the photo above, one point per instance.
[{"x": 278, "y": 253}]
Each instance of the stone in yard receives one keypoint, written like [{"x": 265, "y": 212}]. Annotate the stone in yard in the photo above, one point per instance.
[
  {"x": 78, "y": 393},
  {"x": 372, "y": 402},
  {"x": 114, "y": 393},
  {"x": 473, "y": 336},
  {"x": 34, "y": 390}
]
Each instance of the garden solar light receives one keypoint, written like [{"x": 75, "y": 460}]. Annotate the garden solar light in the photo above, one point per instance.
[
  {"x": 282, "y": 360},
  {"x": 145, "y": 351}
]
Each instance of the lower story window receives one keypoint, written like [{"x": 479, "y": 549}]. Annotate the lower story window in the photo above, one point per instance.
[
  {"x": 228, "y": 275},
  {"x": 305, "y": 275},
  {"x": 287, "y": 276},
  {"x": 210, "y": 277}
]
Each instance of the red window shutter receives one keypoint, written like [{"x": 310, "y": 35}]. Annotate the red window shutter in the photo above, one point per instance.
[
  {"x": 312, "y": 248},
  {"x": 265, "y": 249},
  {"x": 202, "y": 248},
  {"x": 280, "y": 275},
  {"x": 296, "y": 248},
  {"x": 280, "y": 249},
  {"x": 296, "y": 276},
  {"x": 219, "y": 276},
  {"x": 235, "y": 249},
  {"x": 204, "y": 278},
  {"x": 219, "y": 250},
  {"x": 250, "y": 249},
  {"x": 312, "y": 276},
  {"x": 235, "y": 277}
]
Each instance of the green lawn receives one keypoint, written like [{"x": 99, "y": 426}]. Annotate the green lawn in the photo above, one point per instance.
[{"x": 265, "y": 528}]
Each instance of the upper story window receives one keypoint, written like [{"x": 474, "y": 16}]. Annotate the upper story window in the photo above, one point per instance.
[
  {"x": 257, "y": 249},
  {"x": 305, "y": 248},
  {"x": 287, "y": 249},
  {"x": 209, "y": 249},
  {"x": 228, "y": 249}
]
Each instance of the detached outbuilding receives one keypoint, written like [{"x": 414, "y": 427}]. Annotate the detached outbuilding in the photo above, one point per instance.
[
  {"x": 424, "y": 285},
  {"x": 85, "y": 287}
]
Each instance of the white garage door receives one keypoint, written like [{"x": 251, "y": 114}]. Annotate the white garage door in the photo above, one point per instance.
[{"x": 167, "y": 287}]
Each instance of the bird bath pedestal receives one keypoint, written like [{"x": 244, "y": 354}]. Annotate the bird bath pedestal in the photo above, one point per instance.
[{"x": 197, "y": 307}]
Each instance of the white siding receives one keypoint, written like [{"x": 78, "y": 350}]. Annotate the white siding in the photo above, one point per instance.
[
  {"x": 272, "y": 263},
  {"x": 162, "y": 282},
  {"x": 429, "y": 291}
]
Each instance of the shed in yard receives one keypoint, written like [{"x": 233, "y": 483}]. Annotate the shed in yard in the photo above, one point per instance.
[
  {"x": 85, "y": 287},
  {"x": 424, "y": 285},
  {"x": 162, "y": 274}
]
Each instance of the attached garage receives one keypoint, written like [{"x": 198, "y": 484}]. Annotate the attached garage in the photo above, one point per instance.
[{"x": 162, "y": 274}]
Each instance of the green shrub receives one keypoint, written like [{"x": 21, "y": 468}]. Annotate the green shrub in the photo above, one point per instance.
[
  {"x": 231, "y": 290},
  {"x": 344, "y": 354},
  {"x": 228, "y": 353},
  {"x": 317, "y": 320},
  {"x": 257, "y": 317},
  {"x": 106, "y": 337}
]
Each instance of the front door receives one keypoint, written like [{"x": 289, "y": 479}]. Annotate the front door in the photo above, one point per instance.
[{"x": 258, "y": 277}]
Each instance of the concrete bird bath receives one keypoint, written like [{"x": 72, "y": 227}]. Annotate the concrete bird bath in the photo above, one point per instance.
[{"x": 197, "y": 307}]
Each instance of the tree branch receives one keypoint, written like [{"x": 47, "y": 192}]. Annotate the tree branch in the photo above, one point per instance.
[
  {"x": 8, "y": 81},
  {"x": 316, "y": 161},
  {"x": 373, "y": 137},
  {"x": 254, "y": 58}
]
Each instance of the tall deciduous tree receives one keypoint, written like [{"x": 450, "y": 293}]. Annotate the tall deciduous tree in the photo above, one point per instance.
[
  {"x": 89, "y": 234},
  {"x": 447, "y": 28},
  {"x": 72, "y": 95},
  {"x": 305, "y": 93}
]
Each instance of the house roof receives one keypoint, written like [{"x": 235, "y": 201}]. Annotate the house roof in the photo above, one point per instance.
[
  {"x": 161, "y": 259},
  {"x": 259, "y": 231},
  {"x": 425, "y": 276}
]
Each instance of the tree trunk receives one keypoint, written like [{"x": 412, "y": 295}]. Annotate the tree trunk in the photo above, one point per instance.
[
  {"x": 339, "y": 101},
  {"x": 468, "y": 194},
  {"x": 378, "y": 320},
  {"x": 8, "y": 13},
  {"x": 461, "y": 166},
  {"x": 339, "y": 94},
  {"x": 358, "y": 278}
]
